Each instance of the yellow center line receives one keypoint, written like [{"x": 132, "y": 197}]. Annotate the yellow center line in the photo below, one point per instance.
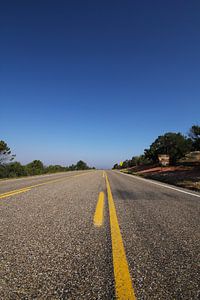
[
  {"x": 14, "y": 193},
  {"x": 98, "y": 216},
  {"x": 123, "y": 283},
  {"x": 28, "y": 188}
]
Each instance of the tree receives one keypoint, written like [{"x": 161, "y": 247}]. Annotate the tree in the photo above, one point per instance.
[
  {"x": 194, "y": 134},
  {"x": 15, "y": 169},
  {"x": 174, "y": 144},
  {"x": 141, "y": 160},
  {"x": 81, "y": 165},
  {"x": 36, "y": 167},
  {"x": 116, "y": 166},
  {"x": 5, "y": 153},
  {"x": 55, "y": 168},
  {"x": 125, "y": 164},
  {"x": 134, "y": 161},
  {"x": 72, "y": 167}
]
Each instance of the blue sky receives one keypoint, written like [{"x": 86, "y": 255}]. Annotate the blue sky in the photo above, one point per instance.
[{"x": 96, "y": 80}]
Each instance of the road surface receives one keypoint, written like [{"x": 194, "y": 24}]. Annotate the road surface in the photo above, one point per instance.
[{"x": 98, "y": 235}]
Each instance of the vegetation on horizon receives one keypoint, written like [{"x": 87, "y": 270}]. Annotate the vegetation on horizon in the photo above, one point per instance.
[
  {"x": 10, "y": 169},
  {"x": 176, "y": 145}
]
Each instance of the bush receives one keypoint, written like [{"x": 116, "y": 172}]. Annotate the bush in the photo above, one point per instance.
[
  {"x": 174, "y": 144},
  {"x": 36, "y": 167}
]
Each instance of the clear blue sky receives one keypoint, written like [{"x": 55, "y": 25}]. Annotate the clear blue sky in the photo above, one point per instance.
[{"x": 96, "y": 80}]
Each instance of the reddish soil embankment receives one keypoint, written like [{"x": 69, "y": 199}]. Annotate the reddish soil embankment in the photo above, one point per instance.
[{"x": 184, "y": 176}]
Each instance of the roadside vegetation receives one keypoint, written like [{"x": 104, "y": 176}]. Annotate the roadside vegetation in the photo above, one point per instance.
[
  {"x": 12, "y": 169},
  {"x": 184, "y": 159}
]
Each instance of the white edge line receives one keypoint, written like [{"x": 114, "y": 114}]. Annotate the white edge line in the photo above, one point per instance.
[{"x": 160, "y": 184}]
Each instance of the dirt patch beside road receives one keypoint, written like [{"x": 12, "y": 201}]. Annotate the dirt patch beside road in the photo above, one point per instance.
[{"x": 183, "y": 176}]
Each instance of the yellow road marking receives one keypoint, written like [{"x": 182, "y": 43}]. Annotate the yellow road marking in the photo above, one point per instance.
[
  {"x": 14, "y": 193},
  {"x": 28, "y": 188},
  {"x": 98, "y": 216},
  {"x": 123, "y": 283}
]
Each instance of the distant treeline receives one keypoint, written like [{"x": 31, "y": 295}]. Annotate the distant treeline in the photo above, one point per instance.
[
  {"x": 10, "y": 169},
  {"x": 176, "y": 145}
]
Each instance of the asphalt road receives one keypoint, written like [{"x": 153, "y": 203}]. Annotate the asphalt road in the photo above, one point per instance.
[{"x": 55, "y": 242}]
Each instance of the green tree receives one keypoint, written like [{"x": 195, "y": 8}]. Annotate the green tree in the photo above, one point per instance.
[
  {"x": 116, "y": 166},
  {"x": 15, "y": 169},
  {"x": 4, "y": 172},
  {"x": 194, "y": 134},
  {"x": 5, "y": 153},
  {"x": 81, "y": 165},
  {"x": 36, "y": 167},
  {"x": 55, "y": 169},
  {"x": 72, "y": 167},
  {"x": 141, "y": 160},
  {"x": 125, "y": 164},
  {"x": 134, "y": 161},
  {"x": 174, "y": 144}
]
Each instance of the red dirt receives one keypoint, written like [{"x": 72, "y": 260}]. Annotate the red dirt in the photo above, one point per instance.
[
  {"x": 163, "y": 169},
  {"x": 184, "y": 176}
]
